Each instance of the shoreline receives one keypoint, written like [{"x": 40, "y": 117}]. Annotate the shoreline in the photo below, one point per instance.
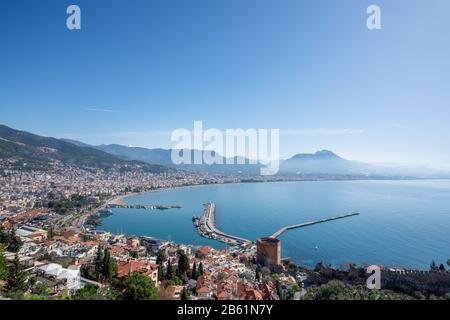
[
  {"x": 305, "y": 264},
  {"x": 133, "y": 194}
]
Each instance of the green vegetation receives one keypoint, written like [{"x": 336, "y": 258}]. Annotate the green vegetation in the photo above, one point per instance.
[
  {"x": 37, "y": 152},
  {"x": 3, "y": 265},
  {"x": 183, "y": 265},
  {"x": 16, "y": 280},
  {"x": 185, "y": 294},
  {"x": 63, "y": 206},
  {"x": 169, "y": 271},
  {"x": 431, "y": 285},
  {"x": 194, "y": 271},
  {"x": 41, "y": 289},
  {"x": 136, "y": 286},
  {"x": 90, "y": 292},
  {"x": 10, "y": 241},
  {"x": 337, "y": 290},
  {"x": 175, "y": 281},
  {"x": 200, "y": 270},
  {"x": 161, "y": 257},
  {"x": 103, "y": 269},
  {"x": 13, "y": 273}
]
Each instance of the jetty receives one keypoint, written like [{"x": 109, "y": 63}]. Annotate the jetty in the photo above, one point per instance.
[
  {"x": 120, "y": 203},
  {"x": 306, "y": 224},
  {"x": 206, "y": 226},
  {"x": 142, "y": 206}
]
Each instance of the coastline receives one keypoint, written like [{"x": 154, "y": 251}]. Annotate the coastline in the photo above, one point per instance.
[
  {"x": 121, "y": 199},
  {"x": 394, "y": 263}
]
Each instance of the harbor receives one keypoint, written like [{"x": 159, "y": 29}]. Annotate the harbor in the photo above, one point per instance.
[{"x": 206, "y": 226}]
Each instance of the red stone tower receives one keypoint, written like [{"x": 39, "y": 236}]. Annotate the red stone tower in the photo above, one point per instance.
[{"x": 268, "y": 252}]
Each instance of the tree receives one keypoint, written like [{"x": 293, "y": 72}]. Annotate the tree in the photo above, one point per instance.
[
  {"x": 88, "y": 271},
  {"x": 433, "y": 266},
  {"x": 10, "y": 240},
  {"x": 169, "y": 274},
  {"x": 194, "y": 271},
  {"x": 161, "y": 257},
  {"x": 183, "y": 264},
  {"x": 16, "y": 281},
  {"x": 89, "y": 292},
  {"x": 41, "y": 289},
  {"x": 184, "y": 295},
  {"x": 109, "y": 266},
  {"x": 136, "y": 286},
  {"x": 200, "y": 269},
  {"x": 442, "y": 267},
  {"x": 3, "y": 265},
  {"x": 98, "y": 263},
  {"x": 257, "y": 275},
  {"x": 175, "y": 281},
  {"x": 448, "y": 262},
  {"x": 50, "y": 233},
  {"x": 276, "y": 281}
]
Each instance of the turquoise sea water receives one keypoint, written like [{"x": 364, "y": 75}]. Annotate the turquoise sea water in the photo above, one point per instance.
[{"x": 402, "y": 223}]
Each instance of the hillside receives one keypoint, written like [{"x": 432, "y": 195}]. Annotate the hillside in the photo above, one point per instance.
[{"x": 27, "y": 150}]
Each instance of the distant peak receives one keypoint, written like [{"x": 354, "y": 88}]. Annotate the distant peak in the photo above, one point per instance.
[
  {"x": 318, "y": 155},
  {"x": 326, "y": 153}
]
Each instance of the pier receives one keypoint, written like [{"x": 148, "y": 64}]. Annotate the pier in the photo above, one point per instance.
[
  {"x": 206, "y": 226},
  {"x": 120, "y": 203},
  {"x": 306, "y": 224},
  {"x": 142, "y": 206}
]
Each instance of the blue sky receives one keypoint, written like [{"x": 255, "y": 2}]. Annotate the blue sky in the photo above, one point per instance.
[{"x": 140, "y": 69}]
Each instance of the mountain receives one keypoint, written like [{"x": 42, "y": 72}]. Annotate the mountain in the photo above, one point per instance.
[
  {"x": 164, "y": 157},
  {"x": 77, "y": 143},
  {"x": 326, "y": 162},
  {"x": 28, "y": 150},
  {"x": 322, "y": 162}
]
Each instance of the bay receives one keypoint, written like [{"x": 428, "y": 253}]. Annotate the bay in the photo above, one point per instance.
[{"x": 403, "y": 223}]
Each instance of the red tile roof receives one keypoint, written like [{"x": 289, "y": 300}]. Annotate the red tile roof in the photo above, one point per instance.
[
  {"x": 126, "y": 267},
  {"x": 204, "y": 289}
]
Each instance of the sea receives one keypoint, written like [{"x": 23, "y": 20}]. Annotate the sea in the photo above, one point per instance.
[{"x": 402, "y": 223}]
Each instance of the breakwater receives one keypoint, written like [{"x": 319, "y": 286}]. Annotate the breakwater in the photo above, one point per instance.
[
  {"x": 206, "y": 226},
  {"x": 143, "y": 206},
  {"x": 306, "y": 224}
]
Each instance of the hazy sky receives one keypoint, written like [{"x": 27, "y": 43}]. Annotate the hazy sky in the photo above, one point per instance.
[{"x": 139, "y": 69}]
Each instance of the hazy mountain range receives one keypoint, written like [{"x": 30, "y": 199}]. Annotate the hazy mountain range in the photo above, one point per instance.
[
  {"x": 34, "y": 151},
  {"x": 320, "y": 163}
]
